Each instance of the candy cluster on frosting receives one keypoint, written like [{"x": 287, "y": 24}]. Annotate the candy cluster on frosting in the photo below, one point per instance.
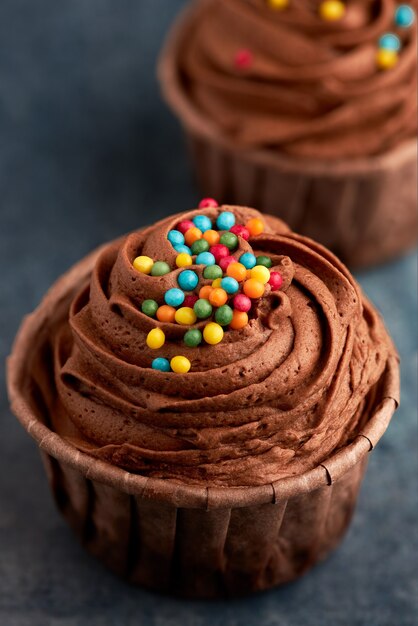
[
  {"x": 322, "y": 79},
  {"x": 224, "y": 293}
]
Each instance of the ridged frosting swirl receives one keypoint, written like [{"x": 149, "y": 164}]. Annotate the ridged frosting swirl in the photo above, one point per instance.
[
  {"x": 271, "y": 400},
  {"x": 313, "y": 87}
]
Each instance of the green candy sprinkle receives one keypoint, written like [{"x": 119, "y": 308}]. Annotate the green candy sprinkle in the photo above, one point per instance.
[
  {"x": 203, "y": 309},
  {"x": 212, "y": 272},
  {"x": 264, "y": 260},
  {"x": 160, "y": 268},
  {"x": 199, "y": 246},
  {"x": 229, "y": 240},
  {"x": 149, "y": 307},
  {"x": 224, "y": 315},
  {"x": 193, "y": 338}
]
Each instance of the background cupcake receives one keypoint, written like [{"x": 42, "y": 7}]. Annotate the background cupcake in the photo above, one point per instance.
[
  {"x": 306, "y": 110},
  {"x": 205, "y": 392}
]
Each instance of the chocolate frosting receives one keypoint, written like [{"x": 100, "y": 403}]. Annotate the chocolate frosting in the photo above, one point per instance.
[
  {"x": 313, "y": 88},
  {"x": 272, "y": 400}
]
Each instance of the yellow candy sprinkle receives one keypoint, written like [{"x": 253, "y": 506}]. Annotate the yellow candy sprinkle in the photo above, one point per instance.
[
  {"x": 260, "y": 273},
  {"x": 180, "y": 365},
  {"x": 184, "y": 260},
  {"x": 386, "y": 59},
  {"x": 332, "y": 10},
  {"x": 143, "y": 264},
  {"x": 213, "y": 333},
  {"x": 278, "y": 5},
  {"x": 217, "y": 283},
  {"x": 155, "y": 339},
  {"x": 185, "y": 316}
]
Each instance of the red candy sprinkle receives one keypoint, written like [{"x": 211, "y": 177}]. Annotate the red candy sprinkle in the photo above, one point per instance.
[
  {"x": 219, "y": 251},
  {"x": 242, "y": 303},
  {"x": 190, "y": 301},
  {"x": 225, "y": 261},
  {"x": 240, "y": 231},
  {"x": 243, "y": 59},
  {"x": 206, "y": 203},
  {"x": 276, "y": 280},
  {"x": 184, "y": 226}
]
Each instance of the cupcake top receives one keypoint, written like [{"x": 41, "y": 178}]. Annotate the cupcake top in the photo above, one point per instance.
[
  {"x": 316, "y": 78},
  {"x": 235, "y": 363}
]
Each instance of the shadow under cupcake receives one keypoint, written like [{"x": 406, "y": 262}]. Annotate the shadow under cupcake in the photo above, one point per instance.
[{"x": 306, "y": 111}]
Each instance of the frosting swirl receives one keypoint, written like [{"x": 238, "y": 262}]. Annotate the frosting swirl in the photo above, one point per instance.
[
  {"x": 272, "y": 400},
  {"x": 313, "y": 87}
]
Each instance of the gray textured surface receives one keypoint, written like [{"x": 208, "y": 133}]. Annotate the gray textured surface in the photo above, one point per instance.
[{"x": 88, "y": 151}]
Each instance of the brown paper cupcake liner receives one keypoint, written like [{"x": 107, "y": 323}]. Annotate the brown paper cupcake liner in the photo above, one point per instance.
[
  {"x": 365, "y": 210},
  {"x": 186, "y": 540}
]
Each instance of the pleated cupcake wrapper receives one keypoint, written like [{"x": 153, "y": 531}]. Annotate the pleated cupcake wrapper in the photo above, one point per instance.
[
  {"x": 363, "y": 209},
  {"x": 189, "y": 540}
]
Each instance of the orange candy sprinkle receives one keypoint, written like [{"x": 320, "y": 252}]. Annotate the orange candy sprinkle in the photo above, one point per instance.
[
  {"x": 237, "y": 271},
  {"x": 212, "y": 237},
  {"x": 192, "y": 235},
  {"x": 205, "y": 292},
  {"x": 218, "y": 297},
  {"x": 253, "y": 288},
  {"x": 239, "y": 320},
  {"x": 255, "y": 226},
  {"x": 166, "y": 313}
]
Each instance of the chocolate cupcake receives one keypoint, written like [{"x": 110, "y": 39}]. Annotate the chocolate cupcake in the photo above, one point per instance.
[
  {"x": 205, "y": 393},
  {"x": 306, "y": 110}
]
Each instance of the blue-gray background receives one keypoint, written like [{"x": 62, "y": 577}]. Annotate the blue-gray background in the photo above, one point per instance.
[{"x": 87, "y": 152}]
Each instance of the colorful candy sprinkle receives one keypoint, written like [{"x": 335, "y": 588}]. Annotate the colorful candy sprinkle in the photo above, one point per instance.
[
  {"x": 205, "y": 292},
  {"x": 276, "y": 280},
  {"x": 239, "y": 320},
  {"x": 185, "y": 316},
  {"x": 149, "y": 307},
  {"x": 226, "y": 262},
  {"x": 213, "y": 333},
  {"x": 212, "y": 272},
  {"x": 182, "y": 249},
  {"x": 243, "y": 59},
  {"x": 190, "y": 300},
  {"x": 175, "y": 237},
  {"x": 192, "y": 235},
  {"x": 240, "y": 231},
  {"x": 174, "y": 297},
  {"x": 184, "y": 260},
  {"x": 201, "y": 245},
  {"x": 212, "y": 237},
  {"x": 219, "y": 252},
  {"x": 155, "y": 339},
  {"x": 261, "y": 274},
  {"x": 255, "y": 226},
  {"x": 223, "y": 315},
  {"x": 203, "y": 308},
  {"x": 389, "y": 41},
  {"x": 166, "y": 314},
  {"x": 217, "y": 283},
  {"x": 193, "y": 338},
  {"x": 229, "y": 240},
  {"x": 187, "y": 280},
  {"x": 143, "y": 264},
  {"x": 202, "y": 222},
  {"x": 386, "y": 59},
  {"x": 253, "y": 288},
  {"x": 264, "y": 260},
  {"x": 160, "y": 268},
  {"x": 225, "y": 220},
  {"x": 205, "y": 258},
  {"x": 184, "y": 226},
  {"x": 180, "y": 365},
  {"x": 248, "y": 260},
  {"x": 332, "y": 10},
  {"x": 237, "y": 271},
  {"x": 278, "y": 5},
  {"x": 207, "y": 203},
  {"x": 242, "y": 303},
  {"x": 160, "y": 364},
  {"x": 404, "y": 16},
  {"x": 230, "y": 285},
  {"x": 218, "y": 297}
]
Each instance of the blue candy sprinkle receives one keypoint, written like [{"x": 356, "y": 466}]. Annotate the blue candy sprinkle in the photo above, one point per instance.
[
  {"x": 174, "y": 297},
  {"x": 163, "y": 365},
  {"x": 202, "y": 222},
  {"x": 389, "y": 41},
  {"x": 229, "y": 284},
  {"x": 181, "y": 248},
  {"x": 205, "y": 258},
  {"x": 225, "y": 221},
  {"x": 404, "y": 16},
  {"x": 175, "y": 237},
  {"x": 188, "y": 280},
  {"x": 248, "y": 260}
]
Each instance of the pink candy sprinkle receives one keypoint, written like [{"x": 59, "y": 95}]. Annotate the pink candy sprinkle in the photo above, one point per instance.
[
  {"x": 225, "y": 261},
  {"x": 206, "y": 203},
  {"x": 219, "y": 251},
  {"x": 243, "y": 59},
  {"x": 184, "y": 226},
  {"x": 240, "y": 231},
  {"x": 190, "y": 301},
  {"x": 276, "y": 280},
  {"x": 242, "y": 303}
]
